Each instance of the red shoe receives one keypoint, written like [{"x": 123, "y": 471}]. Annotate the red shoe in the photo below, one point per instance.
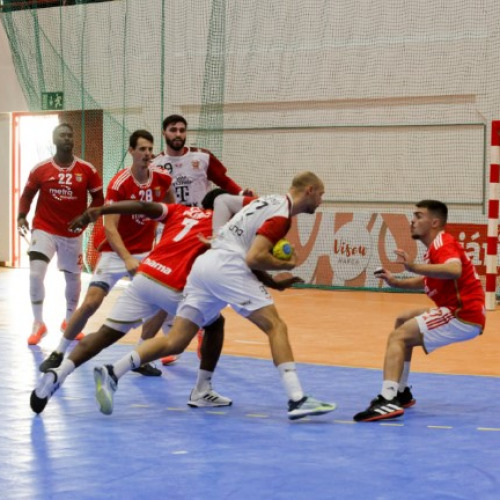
[
  {"x": 63, "y": 329},
  {"x": 199, "y": 336},
  {"x": 39, "y": 330},
  {"x": 168, "y": 360}
]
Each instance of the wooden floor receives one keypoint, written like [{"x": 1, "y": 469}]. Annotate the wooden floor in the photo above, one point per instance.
[{"x": 341, "y": 328}]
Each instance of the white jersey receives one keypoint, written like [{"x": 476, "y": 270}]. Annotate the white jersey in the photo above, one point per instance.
[
  {"x": 192, "y": 174},
  {"x": 268, "y": 215}
]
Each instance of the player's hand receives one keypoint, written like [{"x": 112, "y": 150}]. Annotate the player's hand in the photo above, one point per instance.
[
  {"x": 204, "y": 239},
  {"x": 78, "y": 224},
  {"x": 286, "y": 283},
  {"x": 404, "y": 258},
  {"x": 23, "y": 225},
  {"x": 385, "y": 275},
  {"x": 131, "y": 265},
  {"x": 249, "y": 192}
]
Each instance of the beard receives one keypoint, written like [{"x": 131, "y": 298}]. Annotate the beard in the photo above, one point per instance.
[{"x": 176, "y": 144}]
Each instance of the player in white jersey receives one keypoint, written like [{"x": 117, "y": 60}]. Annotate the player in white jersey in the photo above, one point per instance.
[
  {"x": 224, "y": 275},
  {"x": 193, "y": 170}
]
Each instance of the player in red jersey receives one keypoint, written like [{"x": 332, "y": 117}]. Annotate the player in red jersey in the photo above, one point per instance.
[
  {"x": 126, "y": 240},
  {"x": 224, "y": 275},
  {"x": 450, "y": 280},
  {"x": 158, "y": 284},
  {"x": 62, "y": 183}
]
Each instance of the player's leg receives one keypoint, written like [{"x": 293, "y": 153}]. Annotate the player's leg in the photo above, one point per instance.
[
  {"x": 149, "y": 329},
  {"x": 41, "y": 251},
  {"x": 400, "y": 343},
  {"x": 127, "y": 313},
  {"x": 299, "y": 405},
  {"x": 203, "y": 394},
  {"x": 405, "y": 395},
  {"x": 93, "y": 299}
]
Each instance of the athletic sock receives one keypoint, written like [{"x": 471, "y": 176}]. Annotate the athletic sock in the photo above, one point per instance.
[
  {"x": 291, "y": 381},
  {"x": 128, "y": 362},
  {"x": 403, "y": 381},
  {"x": 63, "y": 344},
  {"x": 204, "y": 381},
  {"x": 389, "y": 389},
  {"x": 38, "y": 270}
]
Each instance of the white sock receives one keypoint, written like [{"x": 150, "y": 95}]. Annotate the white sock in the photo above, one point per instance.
[
  {"x": 204, "y": 381},
  {"x": 403, "y": 381},
  {"x": 38, "y": 270},
  {"x": 63, "y": 344},
  {"x": 389, "y": 389},
  {"x": 291, "y": 381},
  {"x": 128, "y": 362},
  {"x": 73, "y": 289},
  {"x": 67, "y": 367}
]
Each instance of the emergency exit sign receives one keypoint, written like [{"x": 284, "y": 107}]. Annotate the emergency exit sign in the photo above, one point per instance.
[{"x": 52, "y": 101}]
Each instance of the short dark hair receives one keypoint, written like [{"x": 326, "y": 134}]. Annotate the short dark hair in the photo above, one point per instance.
[
  {"x": 437, "y": 208},
  {"x": 208, "y": 201},
  {"x": 134, "y": 138},
  {"x": 64, "y": 124},
  {"x": 173, "y": 119}
]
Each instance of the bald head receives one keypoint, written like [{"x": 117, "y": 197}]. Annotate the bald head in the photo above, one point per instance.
[
  {"x": 304, "y": 179},
  {"x": 306, "y": 191}
]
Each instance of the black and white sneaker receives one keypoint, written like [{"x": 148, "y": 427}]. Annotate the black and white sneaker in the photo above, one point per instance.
[
  {"x": 380, "y": 409},
  {"x": 406, "y": 398},
  {"x": 53, "y": 361},
  {"x": 46, "y": 387},
  {"x": 148, "y": 370}
]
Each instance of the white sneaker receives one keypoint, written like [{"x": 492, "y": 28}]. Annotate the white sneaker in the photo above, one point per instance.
[
  {"x": 209, "y": 398},
  {"x": 308, "y": 406},
  {"x": 105, "y": 387}
]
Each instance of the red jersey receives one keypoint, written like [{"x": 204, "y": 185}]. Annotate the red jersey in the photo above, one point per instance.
[
  {"x": 62, "y": 194},
  {"x": 137, "y": 231},
  {"x": 171, "y": 259},
  {"x": 463, "y": 296}
]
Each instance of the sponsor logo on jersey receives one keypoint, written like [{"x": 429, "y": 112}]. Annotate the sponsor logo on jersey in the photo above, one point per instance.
[
  {"x": 78, "y": 177},
  {"x": 156, "y": 265},
  {"x": 195, "y": 163}
]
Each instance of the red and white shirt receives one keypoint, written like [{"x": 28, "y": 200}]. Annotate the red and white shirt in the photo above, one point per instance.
[
  {"x": 269, "y": 216},
  {"x": 137, "y": 231},
  {"x": 463, "y": 296},
  {"x": 192, "y": 173},
  {"x": 62, "y": 194},
  {"x": 172, "y": 258}
]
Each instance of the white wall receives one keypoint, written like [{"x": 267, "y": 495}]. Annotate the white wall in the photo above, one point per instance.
[{"x": 11, "y": 95}]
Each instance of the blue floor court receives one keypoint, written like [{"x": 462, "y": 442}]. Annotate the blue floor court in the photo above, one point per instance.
[{"x": 155, "y": 446}]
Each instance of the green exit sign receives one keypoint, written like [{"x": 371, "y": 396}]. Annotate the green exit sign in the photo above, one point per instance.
[{"x": 52, "y": 100}]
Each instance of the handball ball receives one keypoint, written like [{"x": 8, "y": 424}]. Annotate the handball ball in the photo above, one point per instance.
[{"x": 283, "y": 250}]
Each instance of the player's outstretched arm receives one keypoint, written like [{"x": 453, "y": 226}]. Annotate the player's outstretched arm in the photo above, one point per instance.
[{"x": 150, "y": 209}]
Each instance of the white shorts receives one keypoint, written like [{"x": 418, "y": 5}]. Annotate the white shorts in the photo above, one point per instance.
[
  {"x": 69, "y": 250},
  {"x": 219, "y": 278},
  {"x": 111, "y": 268},
  {"x": 142, "y": 299},
  {"x": 440, "y": 328}
]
